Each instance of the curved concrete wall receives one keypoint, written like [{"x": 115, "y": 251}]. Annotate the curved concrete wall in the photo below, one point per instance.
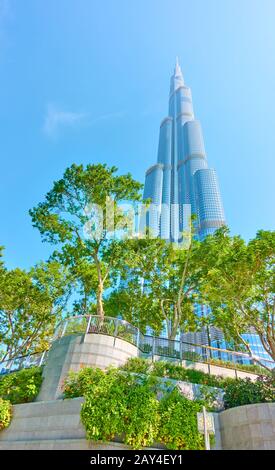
[
  {"x": 73, "y": 352},
  {"x": 249, "y": 427}
]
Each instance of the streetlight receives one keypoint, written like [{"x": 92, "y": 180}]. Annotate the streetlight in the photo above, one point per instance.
[{"x": 206, "y": 426}]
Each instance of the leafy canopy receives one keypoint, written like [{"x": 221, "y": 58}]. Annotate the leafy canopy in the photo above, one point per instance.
[{"x": 80, "y": 214}]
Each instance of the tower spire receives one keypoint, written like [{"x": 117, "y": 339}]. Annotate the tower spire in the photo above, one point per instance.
[
  {"x": 177, "y": 78},
  {"x": 177, "y": 67}
]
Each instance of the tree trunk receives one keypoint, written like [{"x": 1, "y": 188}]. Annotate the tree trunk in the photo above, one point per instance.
[
  {"x": 100, "y": 288},
  {"x": 99, "y": 299},
  {"x": 246, "y": 344},
  {"x": 175, "y": 325}
]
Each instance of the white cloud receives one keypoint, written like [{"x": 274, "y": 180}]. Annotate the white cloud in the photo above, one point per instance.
[{"x": 57, "y": 120}]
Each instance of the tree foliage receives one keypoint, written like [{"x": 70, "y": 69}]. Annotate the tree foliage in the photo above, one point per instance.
[
  {"x": 160, "y": 285},
  {"x": 239, "y": 285},
  {"x": 31, "y": 302},
  {"x": 80, "y": 214}
]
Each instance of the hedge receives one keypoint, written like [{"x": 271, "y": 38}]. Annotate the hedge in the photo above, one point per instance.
[
  {"x": 5, "y": 413},
  {"x": 22, "y": 386},
  {"x": 135, "y": 410}
]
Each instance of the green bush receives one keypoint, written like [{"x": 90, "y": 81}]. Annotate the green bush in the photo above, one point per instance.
[
  {"x": 178, "y": 425},
  {"x": 174, "y": 371},
  {"x": 237, "y": 391},
  {"x": 191, "y": 356},
  {"x": 253, "y": 368},
  {"x": 5, "y": 413},
  {"x": 147, "y": 349},
  {"x": 22, "y": 386},
  {"x": 177, "y": 372},
  {"x": 137, "y": 365},
  {"x": 133, "y": 408},
  {"x": 124, "y": 405},
  {"x": 77, "y": 383},
  {"x": 142, "y": 417},
  {"x": 245, "y": 392},
  {"x": 166, "y": 351}
]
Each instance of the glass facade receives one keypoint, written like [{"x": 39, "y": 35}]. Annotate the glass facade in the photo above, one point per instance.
[
  {"x": 208, "y": 201},
  {"x": 181, "y": 176}
]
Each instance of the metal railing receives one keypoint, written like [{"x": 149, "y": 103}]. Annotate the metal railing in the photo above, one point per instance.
[
  {"x": 156, "y": 346},
  {"x": 150, "y": 346},
  {"x": 84, "y": 324},
  {"x": 23, "y": 362}
]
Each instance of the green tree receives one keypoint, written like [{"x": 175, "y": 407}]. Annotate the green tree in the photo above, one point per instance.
[
  {"x": 159, "y": 285},
  {"x": 239, "y": 285},
  {"x": 84, "y": 275},
  {"x": 31, "y": 302},
  {"x": 80, "y": 213}
]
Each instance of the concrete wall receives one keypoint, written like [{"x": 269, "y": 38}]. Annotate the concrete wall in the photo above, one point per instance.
[
  {"x": 53, "y": 420},
  {"x": 62, "y": 444},
  {"x": 56, "y": 425},
  {"x": 248, "y": 427},
  {"x": 70, "y": 353},
  {"x": 197, "y": 392},
  {"x": 50, "y": 425}
]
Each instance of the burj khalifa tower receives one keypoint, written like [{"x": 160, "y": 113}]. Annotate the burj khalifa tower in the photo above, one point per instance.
[{"x": 181, "y": 178}]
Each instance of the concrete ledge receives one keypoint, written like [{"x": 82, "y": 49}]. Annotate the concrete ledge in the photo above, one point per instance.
[
  {"x": 206, "y": 368},
  {"x": 248, "y": 427},
  {"x": 57, "y": 419},
  {"x": 61, "y": 444},
  {"x": 73, "y": 352},
  {"x": 56, "y": 425},
  {"x": 53, "y": 425}
]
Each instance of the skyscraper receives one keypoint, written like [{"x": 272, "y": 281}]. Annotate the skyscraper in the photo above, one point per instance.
[
  {"x": 181, "y": 177},
  {"x": 180, "y": 180}
]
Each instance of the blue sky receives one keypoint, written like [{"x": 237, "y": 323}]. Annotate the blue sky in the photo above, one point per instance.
[{"x": 87, "y": 81}]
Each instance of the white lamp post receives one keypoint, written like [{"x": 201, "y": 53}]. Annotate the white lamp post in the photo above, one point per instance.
[{"x": 206, "y": 425}]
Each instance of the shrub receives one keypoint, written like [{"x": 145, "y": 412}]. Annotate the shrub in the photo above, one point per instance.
[
  {"x": 124, "y": 405},
  {"x": 104, "y": 407},
  {"x": 238, "y": 391},
  {"x": 178, "y": 425},
  {"x": 21, "y": 386},
  {"x": 253, "y": 368},
  {"x": 133, "y": 408},
  {"x": 191, "y": 356},
  {"x": 77, "y": 383},
  {"x": 147, "y": 348},
  {"x": 244, "y": 392},
  {"x": 5, "y": 413},
  {"x": 142, "y": 416},
  {"x": 166, "y": 351},
  {"x": 177, "y": 372},
  {"x": 174, "y": 371},
  {"x": 137, "y": 365}
]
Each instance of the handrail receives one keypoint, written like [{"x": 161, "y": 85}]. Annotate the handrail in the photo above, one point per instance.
[
  {"x": 140, "y": 340},
  {"x": 224, "y": 350},
  {"x": 22, "y": 362},
  {"x": 150, "y": 345}
]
